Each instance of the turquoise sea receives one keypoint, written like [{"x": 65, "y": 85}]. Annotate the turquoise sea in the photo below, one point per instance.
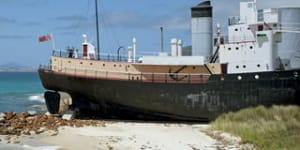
[{"x": 21, "y": 92}]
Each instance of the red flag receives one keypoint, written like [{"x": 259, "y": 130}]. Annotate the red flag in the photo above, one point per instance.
[{"x": 44, "y": 38}]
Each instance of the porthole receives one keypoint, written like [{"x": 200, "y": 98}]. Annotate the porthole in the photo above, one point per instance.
[
  {"x": 194, "y": 67},
  {"x": 128, "y": 66},
  {"x": 69, "y": 62},
  {"x": 239, "y": 77},
  {"x": 251, "y": 47},
  {"x": 229, "y": 48},
  {"x": 236, "y": 29},
  {"x": 256, "y": 77},
  {"x": 120, "y": 65},
  {"x": 258, "y": 66},
  {"x": 81, "y": 63},
  {"x": 296, "y": 74},
  {"x": 244, "y": 66},
  {"x": 115, "y": 65},
  {"x": 249, "y": 28},
  {"x": 237, "y": 67},
  {"x": 237, "y": 48},
  {"x": 91, "y": 63},
  {"x": 103, "y": 65}
]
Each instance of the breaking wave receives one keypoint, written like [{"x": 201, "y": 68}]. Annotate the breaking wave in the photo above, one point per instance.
[{"x": 37, "y": 98}]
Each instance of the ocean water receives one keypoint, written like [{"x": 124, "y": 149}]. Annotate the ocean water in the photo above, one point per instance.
[{"x": 21, "y": 92}]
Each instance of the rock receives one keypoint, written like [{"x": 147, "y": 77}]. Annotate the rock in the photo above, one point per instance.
[
  {"x": 7, "y": 138},
  {"x": 9, "y": 115},
  {"x": 2, "y": 115},
  {"x": 17, "y": 141},
  {"x": 48, "y": 114},
  {"x": 2, "y": 119},
  {"x": 41, "y": 130},
  {"x": 32, "y": 132},
  {"x": 52, "y": 133},
  {"x": 32, "y": 113},
  {"x": 68, "y": 116}
]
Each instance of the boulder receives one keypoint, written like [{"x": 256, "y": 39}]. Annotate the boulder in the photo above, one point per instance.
[
  {"x": 32, "y": 113},
  {"x": 2, "y": 115},
  {"x": 9, "y": 115}
]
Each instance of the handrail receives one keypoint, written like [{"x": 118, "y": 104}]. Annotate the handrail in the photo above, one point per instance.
[
  {"x": 137, "y": 76},
  {"x": 104, "y": 57}
]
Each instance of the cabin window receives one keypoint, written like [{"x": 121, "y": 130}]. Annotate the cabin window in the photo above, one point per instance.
[
  {"x": 251, "y": 47},
  {"x": 244, "y": 66},
  {"x": 103, "y": 65},
  {"x": 120, "y": 65},
  {"x": 194, "y": 67},
  {"x": 91, "y": 63},
  {"x": 249, "y": 28},
  {"x": 260, "y": 28},
  {"x": 54, "y": 59},
  {"x": 258, "y": 66},
  {"x": 237, "y": 48},
  {"x": 237, "y": 67},
  {"x": 69, "y": 62},
  {"x": 236, "y": 29},
  {"x": 128, "y": 66},
  {"x": 115, "y": 65},
  {"x": 81, "y": 63},
  {"x": 229, "y": 48}
]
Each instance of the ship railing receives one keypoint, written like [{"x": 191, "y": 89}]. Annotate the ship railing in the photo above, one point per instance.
[
  {"x": 103, "y": 56},
  {"x": 154, "y": 77}
]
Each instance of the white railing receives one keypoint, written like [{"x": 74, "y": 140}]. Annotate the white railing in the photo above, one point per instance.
[{"x": 132, "y": 76}]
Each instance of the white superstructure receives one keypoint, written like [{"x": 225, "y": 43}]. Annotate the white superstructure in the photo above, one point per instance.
[
  {"x": 262, "y": 40},
  {"x": 258, "y": 40}
]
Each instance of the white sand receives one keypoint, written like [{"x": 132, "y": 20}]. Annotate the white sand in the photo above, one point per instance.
[{"x": 125, "y": 136}]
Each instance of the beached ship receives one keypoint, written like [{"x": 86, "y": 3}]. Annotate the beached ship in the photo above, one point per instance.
[{"x": 256, "y": 64}]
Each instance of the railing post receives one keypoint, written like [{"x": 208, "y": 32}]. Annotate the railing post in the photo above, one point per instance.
[
  {"x": 152, "y": 77},
  {"x": 166, "y": 78}
]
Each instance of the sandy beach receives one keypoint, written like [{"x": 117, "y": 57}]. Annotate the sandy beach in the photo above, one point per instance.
[{"x": 121, "y": 136}]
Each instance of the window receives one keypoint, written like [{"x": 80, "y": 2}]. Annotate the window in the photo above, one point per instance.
[
  {"x": 237, "y": 67},
  {"x": 244, "y": 66},
  {"x": 260, "y": 28},
  {"x": 229, "y": 48},
  {"x": 91, "y": 63},
  {"x": 251, "y": 47},
  {"x": 258, "y": 65},
  {"x": 103, "y": 65},
  {"x": 81, "y": 63},
  {"x": 237, "y": 48},
  {"x": 236, "y": 29}
]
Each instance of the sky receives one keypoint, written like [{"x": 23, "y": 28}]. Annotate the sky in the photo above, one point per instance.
[{"x": 23, "y": 21}]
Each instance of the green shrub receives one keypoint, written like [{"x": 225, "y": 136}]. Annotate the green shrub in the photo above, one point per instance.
[{"x": 277, "y": 127}]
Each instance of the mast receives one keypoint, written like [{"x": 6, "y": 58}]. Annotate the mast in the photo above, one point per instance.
[{"x": 97, "y": 28}]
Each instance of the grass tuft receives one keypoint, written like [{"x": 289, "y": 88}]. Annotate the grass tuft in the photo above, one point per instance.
[{"x": 277, "y": 127}]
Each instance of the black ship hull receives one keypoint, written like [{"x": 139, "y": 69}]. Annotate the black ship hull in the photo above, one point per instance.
[{"x": 183, "y": 101}]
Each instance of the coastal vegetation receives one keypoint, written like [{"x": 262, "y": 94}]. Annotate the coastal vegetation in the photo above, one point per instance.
[{"x": 268, "y": 128}]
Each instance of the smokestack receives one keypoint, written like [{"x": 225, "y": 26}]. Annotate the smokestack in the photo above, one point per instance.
[{"x": 202, "y": 30}]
